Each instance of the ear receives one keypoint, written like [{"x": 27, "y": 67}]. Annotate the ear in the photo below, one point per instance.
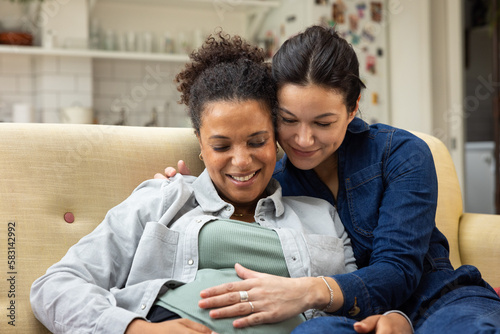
[
  {"x": 355, "y": 111},
  {"x": 197, "y": 133}
]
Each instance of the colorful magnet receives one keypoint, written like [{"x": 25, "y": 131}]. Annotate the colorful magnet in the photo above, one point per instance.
[
  {"x": 376, "y": 11},
  {"x": 368, "y": 35},
  {"x": 355, "y": 39},
  {"x": 371, "y": 64},
  {"x": 353, "y": 22},
  {"x": 361, "y": 7},
  {"x": 338, "y": 12}
]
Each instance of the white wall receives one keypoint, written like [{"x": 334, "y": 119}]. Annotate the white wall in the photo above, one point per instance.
[
  {"x": 409, "y": 58},
  {"x": 426, "y": 65}
]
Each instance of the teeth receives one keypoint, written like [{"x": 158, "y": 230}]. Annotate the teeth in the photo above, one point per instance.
[{"x": 243, "y": 178}]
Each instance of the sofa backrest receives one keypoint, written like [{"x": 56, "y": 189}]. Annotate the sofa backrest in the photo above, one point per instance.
[{"x": 450, "y": 207}]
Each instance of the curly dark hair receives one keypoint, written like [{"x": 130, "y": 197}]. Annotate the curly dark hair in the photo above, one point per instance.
[{"x": 226, "y": 68}]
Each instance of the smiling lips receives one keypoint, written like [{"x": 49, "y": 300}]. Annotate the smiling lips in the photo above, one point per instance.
[
  {"x": 242, "y": 178},
  {"x": 303, "y": 153}
]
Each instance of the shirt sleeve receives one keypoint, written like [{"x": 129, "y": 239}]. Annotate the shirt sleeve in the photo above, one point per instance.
[
  {"x": 401, "y": 238},
  {"x": 74, "y": 295}
]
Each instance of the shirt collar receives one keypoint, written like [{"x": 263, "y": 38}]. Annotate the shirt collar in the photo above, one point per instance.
[
  {"x": 357, "y": 125},
  {"x": 209, "y": 200}
]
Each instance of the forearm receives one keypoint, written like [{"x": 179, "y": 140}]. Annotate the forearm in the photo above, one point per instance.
[
  {"x": 319, "y": 296},
  {"x": 376, "y": 289},
  {"x": 64, "y": 303}
]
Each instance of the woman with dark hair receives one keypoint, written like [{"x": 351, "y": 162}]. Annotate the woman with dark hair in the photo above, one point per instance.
[
  {"x": 143, "y": 268},
  {"x": 382, "y": 181}
]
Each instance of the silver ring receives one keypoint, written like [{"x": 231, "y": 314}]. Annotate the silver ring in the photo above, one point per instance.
[
  {"x": 243, "y": 296},
  {"x": 251, "y": 305}
]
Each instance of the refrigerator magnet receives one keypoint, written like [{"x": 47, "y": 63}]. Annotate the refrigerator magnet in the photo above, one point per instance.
[{"x": 376, "y": 11}]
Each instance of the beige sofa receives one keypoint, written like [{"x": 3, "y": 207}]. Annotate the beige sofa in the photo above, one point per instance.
[{"x": 48, "y": 170}]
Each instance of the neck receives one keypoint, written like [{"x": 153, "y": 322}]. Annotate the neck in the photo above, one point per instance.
[
  {"x": 244, "y": 210},
  {"x": 324, "y": 169}
]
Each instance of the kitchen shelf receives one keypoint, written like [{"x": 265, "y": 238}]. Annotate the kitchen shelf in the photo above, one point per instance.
[
  {"x": 238, "y": 5},
  {"x": 95, "y": 54}
]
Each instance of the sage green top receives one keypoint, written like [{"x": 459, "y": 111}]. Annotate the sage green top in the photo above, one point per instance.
[{"x": 222, "y": 243}]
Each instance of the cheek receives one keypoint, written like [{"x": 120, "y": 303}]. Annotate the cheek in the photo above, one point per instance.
[
  {"x": 213, "y": 163},
  {"x": 284, "y": 133}
]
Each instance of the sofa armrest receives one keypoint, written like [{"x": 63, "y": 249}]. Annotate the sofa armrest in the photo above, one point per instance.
[{"x": 479, "y": 243}]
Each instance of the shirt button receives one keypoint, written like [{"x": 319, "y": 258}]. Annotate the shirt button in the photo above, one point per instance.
[
  {"x": 294, "y": 258},
  {"x": 190, "y": 262},
  {"x": 261, "y": 219},
  {"x": 143, "y": 307}
]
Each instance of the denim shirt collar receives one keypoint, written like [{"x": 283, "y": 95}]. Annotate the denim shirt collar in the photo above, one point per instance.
[
  {"x": 209, "y": 200},
  {"x": 357, "y": 125}
]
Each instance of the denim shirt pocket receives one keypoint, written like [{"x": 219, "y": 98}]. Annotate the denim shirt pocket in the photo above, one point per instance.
[
  {"x": 364, "y": 191},
  {"x": 326, "y": 254},
  {"x": 155, "y": 255}
]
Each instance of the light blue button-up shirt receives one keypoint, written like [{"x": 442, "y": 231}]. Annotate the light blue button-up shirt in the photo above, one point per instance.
[{"x": 149, "y": 243}]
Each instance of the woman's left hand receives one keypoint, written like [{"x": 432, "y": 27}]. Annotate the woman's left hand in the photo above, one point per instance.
[
  {"x": 270, "y": 298},
  {"x": 392, "y": 323}
]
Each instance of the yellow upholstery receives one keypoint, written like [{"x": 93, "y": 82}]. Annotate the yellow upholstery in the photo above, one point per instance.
[{"x": 47, "y": 170}]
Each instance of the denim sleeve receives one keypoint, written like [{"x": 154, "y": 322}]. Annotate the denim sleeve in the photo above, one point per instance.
[
  {"x": 401, "y": 237},
  {"x": 74, "y": 295}
]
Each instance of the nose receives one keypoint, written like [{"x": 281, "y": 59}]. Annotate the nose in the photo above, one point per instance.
[
  {"x": 304, "y": 136},
  {"x": 242, "y": 158}
]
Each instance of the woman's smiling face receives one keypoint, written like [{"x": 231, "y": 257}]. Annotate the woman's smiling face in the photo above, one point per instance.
[
  {"x": 312, "y": 123},
  {"x": 239, "y": 149}
]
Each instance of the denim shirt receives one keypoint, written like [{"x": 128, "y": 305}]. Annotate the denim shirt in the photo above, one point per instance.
[
  {"x": 387, "y": 202},
  {"x": 149, "y": 243}
]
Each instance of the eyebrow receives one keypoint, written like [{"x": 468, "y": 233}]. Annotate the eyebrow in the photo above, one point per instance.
[
  {"x": 319, "y": 116},
  {"x": 258, "y": 133}
]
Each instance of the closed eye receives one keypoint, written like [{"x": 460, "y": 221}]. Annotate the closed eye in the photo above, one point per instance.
[
  {"x": 220, "y": 148},
  {"x": 257, "y": 144},
  {"x": 324, "y": 125},
  {"x": 288, "y": 120}
]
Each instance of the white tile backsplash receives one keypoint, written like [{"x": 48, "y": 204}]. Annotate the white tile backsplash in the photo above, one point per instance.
[
  {"x": 48, "y": 101},
  {"x": 16, "y": 64},
  {"x": 84, "y": 84},
  {"x": 74, "y": 100},
  {"x": 127, "y": 69},
  {"x": 53, "y": 82},
  {"x": 109, "y": 87},
  {"x": 102, "y": 68},
  {"x": 134, "y": 86},
  {"x": 46, "y": 64},
  {"x": 25, "y": 83},
  {"x": 72, "y": 65},
  {"x": 8, "y": 84},
  {"x": 57, "y": 83}
]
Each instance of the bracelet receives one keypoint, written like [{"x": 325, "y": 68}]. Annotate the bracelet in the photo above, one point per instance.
[
  {"x": 404, "y": 315},
  {"x": 331, "y": 294}
]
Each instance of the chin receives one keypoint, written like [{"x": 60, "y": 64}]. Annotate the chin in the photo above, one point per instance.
[{"x": 304, "y": 164}]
